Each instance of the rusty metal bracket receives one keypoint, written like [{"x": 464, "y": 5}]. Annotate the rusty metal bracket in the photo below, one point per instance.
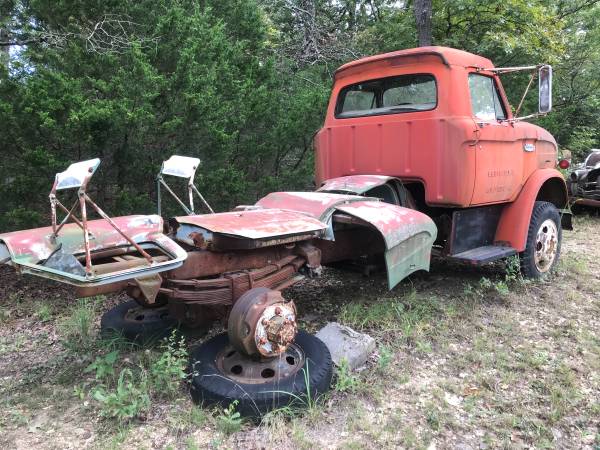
[
  {"x": 77, "y": 176},
  {"x": 181, "y": 167}
]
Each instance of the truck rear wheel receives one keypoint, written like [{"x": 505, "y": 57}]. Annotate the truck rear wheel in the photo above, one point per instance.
[
  {"x": 543, "y": 241},
  {"x": 136, "y": 323}
]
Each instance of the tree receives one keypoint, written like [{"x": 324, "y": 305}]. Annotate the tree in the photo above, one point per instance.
[{"x": 423, "y": 15}]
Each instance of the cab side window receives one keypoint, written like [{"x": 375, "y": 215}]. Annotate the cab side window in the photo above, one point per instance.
[{"x": 485, "y": 99}]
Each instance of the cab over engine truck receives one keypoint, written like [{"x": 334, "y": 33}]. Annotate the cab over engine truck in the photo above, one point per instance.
[{"x": 419, "y": 153}]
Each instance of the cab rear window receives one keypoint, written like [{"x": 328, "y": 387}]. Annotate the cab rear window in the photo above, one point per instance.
[{"x": 392, "y": 95}]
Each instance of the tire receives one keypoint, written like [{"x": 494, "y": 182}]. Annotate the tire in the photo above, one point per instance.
[
  {"x": 543, "y": 217},
  {"x": 211, "y": 386},
  {"x": 136, "y": 323}
]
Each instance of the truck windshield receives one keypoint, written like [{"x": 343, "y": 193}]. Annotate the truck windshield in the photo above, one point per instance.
[{"x": 403, "y": 93}]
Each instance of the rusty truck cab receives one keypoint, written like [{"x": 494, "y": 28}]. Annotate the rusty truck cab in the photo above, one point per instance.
[{"x": 437, "y": 120}]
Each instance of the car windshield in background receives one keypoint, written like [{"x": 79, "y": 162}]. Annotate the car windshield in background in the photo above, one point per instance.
[
  {"x": 593, "y": 159},
  {"x": 404, "y": 93}
]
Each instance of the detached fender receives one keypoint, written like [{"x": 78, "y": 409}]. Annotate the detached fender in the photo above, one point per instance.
[
  {"x": 408, "y": 235},
  {"x": 546, "y": 185}
]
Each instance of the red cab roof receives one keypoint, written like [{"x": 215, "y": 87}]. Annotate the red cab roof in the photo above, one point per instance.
[{"x": 448, "y": 56}]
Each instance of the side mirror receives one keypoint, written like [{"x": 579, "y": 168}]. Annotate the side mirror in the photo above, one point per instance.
[{"x": 545, "y": 89}]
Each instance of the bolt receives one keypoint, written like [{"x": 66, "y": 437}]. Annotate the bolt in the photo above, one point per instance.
[
  {"x": 278, "y": 311},
  {"x": 265, "y": 322}
]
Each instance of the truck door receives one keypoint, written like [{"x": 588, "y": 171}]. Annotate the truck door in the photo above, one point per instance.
[{"x": 498, "y": 161}]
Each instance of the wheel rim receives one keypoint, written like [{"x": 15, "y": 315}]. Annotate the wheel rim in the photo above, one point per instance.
[
  {"x": 140, "y": 314},
  {"x": 243, "y": 369},
  {"x": 546, "y": 245}
]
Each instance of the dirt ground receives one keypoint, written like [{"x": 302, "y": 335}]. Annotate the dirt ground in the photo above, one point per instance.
[{"x": 467, "y": 358}]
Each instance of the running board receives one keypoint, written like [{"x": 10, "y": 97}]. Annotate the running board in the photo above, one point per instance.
[{"x": 483, "y": 255}]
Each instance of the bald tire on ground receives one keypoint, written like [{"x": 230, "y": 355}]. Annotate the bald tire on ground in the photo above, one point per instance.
[
  {"x": 151, "y": 324},
  {"x": 542, "y": 211},
  {"x": 210, "y": 386}
]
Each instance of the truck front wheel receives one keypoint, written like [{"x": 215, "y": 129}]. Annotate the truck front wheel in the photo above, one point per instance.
[{"x": 543, "y": 241}]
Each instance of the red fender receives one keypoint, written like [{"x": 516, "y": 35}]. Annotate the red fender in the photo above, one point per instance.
[{"x": 514, "y": 222}]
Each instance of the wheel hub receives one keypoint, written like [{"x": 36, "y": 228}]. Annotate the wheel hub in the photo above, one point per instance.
[
  {"x": 546, "y": 246},
  {"x": 262, "y": 323}
]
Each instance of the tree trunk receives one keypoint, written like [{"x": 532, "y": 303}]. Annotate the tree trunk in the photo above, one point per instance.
[
  {"x": 4, "y": 49},
  {"x": 423, "y": 13}
]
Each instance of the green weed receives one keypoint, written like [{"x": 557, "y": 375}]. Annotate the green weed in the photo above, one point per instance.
[
  {"x": 230, "y": 420},
  {"x": 103, "y": 366},
  {"x": 128, "y": 400},
  {"x": 77, "y": 328},
  {"x": 346, "y": 381},
  {"x": 5, "y": 314},
  {"x": 386, "y": 356},
  {"x": 43, "y": 312},
  {"x": 169, "y": 370},
  {"x": 152, "y": 375}
]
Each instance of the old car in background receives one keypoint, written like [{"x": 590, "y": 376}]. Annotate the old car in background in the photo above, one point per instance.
[{"x": 584, "y": 181}]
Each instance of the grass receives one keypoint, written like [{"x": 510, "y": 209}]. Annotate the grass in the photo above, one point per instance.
[
  {"x": 521, "y": 358},
  {"x": 408, "y": 318},
  {"x": 5, "y": 314},
  {"x": 43, "y": 312},
  {"x": 78, "y": 327},
  {"x": 345, "y": 379},
  {"x": 155, "y": 375},
  {"x": 229, "y": 420},
  {"x": 575, "y": 265}
]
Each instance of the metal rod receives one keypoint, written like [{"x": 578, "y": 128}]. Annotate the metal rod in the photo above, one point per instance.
[
  {"x": 525, "y": 94},
  {"x": 202, "y": 199},
  {"x": 185, "y": 208},
  {"x": 115, "y": 226},
  {"x": 53, "y": 212},
  {"x": 191, "y": 195},
  {"x": 507, "y": 69},
  {"x": 69, "y": 214},
  {"x": 158, "y": 197},
  {"x": 86, "y": 241}
]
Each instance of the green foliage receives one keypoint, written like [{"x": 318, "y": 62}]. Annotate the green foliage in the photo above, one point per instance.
[
  {"x": 169, "y": 370},
  {"x": 43, "y": 312},
  {"x": 386, "y": 356},
  {"x": 208, "y": 87},
  {"x": 103, "y": 366},
  {"x": 409, "y": 316},
  {"x": 229, "y": 421},
  {"x": 243, "y": 85},
  {"x": 345, "y": 380},
  {"x": 77, "y": 327},
  {"x": 149, "y": 375},
  {"x": 128, "y": 400}
]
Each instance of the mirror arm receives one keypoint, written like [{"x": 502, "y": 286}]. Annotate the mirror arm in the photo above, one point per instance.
[
  {"x": 533, "y": 74},
  {"x": 530, "y": 116}
]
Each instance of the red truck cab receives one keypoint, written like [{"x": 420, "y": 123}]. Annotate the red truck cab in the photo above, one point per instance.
[{"x": 435, "y": 125}]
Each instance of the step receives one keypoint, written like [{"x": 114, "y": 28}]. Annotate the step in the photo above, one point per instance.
[{"x": 485, "y": 254}]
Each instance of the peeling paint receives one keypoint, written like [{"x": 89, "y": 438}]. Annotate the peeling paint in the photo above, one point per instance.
[
  {"x": 256, "y": 224},
  {"x": 357, "y": 184}
]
